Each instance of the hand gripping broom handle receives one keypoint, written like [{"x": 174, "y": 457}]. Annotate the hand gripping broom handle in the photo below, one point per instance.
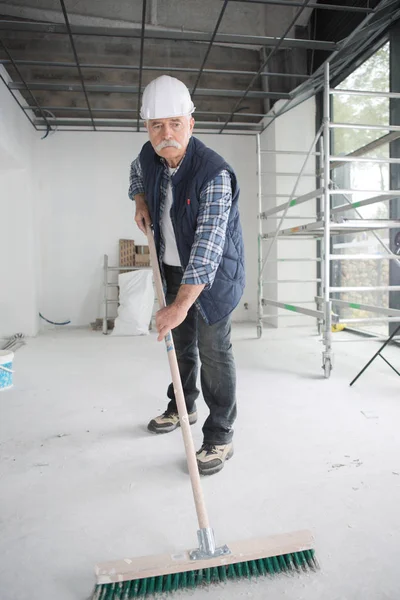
[{"x": 179, "y": 396}]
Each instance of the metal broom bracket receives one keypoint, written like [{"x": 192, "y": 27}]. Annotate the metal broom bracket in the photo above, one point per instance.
[{"x": 207, "y": 548}]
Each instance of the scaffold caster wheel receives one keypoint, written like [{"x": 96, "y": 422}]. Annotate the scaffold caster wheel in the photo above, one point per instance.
[
  {"x": 327, "y": 368},
  {"x": 259, "y": 331}
]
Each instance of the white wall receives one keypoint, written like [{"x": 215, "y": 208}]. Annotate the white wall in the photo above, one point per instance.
[
  {"x": 82, "y": 183},
  {"x": 70, "y": 191},
  {"x": 293, "y": 131},
  {"x": 19, "y": 275}
]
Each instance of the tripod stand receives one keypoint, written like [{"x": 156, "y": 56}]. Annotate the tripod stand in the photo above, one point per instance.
[{"x": 379, "y": 354}]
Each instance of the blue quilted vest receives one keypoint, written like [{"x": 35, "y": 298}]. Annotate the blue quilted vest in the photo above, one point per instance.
[{"x": 199, "y": 166}]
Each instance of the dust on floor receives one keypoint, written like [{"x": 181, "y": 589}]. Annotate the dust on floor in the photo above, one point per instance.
[{"x": 83, "y": 481}]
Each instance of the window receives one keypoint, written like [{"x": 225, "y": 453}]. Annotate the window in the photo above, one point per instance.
[{"x": 372, "y": 75}]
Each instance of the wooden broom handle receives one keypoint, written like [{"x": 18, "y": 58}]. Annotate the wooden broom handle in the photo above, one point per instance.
[{"x": 179, "y": 396}]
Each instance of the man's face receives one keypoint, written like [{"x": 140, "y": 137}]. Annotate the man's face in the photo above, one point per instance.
[{"x": 170, "y": 137}]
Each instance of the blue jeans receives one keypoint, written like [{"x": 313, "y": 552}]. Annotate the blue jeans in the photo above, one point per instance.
[{"x": 195, "y": 339}]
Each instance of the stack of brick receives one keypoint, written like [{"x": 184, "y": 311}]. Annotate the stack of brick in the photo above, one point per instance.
[
  {"x": 131, "y": 255},
  {"x": 142, "y": 256}
]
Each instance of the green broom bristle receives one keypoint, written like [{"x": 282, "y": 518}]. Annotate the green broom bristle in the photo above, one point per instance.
[{"x": 140, "y": 588}]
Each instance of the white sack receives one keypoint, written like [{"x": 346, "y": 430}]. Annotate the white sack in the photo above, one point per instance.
[{"x": 136, "y": 301}]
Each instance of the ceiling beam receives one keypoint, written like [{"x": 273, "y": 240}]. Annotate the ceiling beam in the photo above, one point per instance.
[
  {"x": 197, "y": 113},
  {"x": 132, "y": 123},
  {"x": 270, "y": 54},
  {"x": 165, "y": 34},
  {"x": 290, "y": 3},
  {"x": 45, "y": 63},
  {"x": 142, "y": 33},
  {"x": 203, "y": 64},
  {"x": 133, "y": 89},
  {"x": 23, "y": 84},
  {"x": 78, "y": 66},
  {"x": 143, "y": 130}
]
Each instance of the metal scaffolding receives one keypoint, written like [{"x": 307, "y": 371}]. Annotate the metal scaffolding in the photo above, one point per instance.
[{"x": 328, "y": 221}]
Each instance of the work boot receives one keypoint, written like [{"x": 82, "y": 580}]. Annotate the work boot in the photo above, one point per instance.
[
  {"x": 169, "y": 421},
  {"x": 211, "y": 458}
]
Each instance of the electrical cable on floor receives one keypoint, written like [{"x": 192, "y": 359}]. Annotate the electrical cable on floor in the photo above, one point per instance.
[{"x": 53, "y": 322}]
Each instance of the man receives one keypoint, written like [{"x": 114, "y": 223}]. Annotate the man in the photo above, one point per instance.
[{"x": 190, "y": 195}]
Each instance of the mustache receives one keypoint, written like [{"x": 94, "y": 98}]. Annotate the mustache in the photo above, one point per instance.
[{"x": 167, "y": 144}]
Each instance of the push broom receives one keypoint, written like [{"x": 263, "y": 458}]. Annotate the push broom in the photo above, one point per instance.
[{"x": 151, "y": 575}]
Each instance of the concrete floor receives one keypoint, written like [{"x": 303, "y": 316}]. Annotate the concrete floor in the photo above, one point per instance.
[{"x": 82, "y": 481}]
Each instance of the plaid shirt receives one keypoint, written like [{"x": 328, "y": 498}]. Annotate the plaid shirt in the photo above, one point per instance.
[{"x": 215, "y": 205}]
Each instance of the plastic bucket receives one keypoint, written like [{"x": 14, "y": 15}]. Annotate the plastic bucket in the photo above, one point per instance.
[{"x": 6, "y": 370}]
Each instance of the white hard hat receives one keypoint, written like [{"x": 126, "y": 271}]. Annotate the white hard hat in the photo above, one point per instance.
[{"x": 164, "y": 98}]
